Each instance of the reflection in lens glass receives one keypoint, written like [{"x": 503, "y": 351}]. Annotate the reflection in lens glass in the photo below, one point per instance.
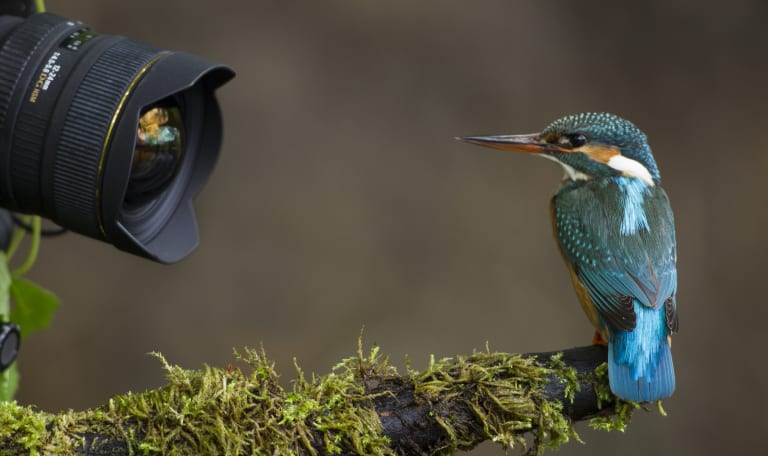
[{"x": 158, "y": 154}]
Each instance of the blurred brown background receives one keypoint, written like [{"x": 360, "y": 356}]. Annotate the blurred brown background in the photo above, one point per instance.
[{"x": 342, "y": 201}]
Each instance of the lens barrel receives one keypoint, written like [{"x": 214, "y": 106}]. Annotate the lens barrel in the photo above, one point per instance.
[{"x": 106, "y": 136}]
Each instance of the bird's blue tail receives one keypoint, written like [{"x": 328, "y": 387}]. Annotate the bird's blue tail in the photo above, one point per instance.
[{"x": 640, "y": 365}]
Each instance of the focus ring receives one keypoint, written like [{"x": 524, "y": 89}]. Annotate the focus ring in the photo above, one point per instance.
[
  {"x": 86, "y": 131},
  {"x": 15, "y": 54}
]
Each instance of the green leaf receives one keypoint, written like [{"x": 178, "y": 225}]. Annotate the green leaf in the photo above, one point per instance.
[
  {"x": 33, "y": 306},
  {"x": 5, "y": 282},
  {"x": 9, "y": 382}
]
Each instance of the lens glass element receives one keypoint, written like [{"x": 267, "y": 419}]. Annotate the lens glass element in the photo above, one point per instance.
[{"x": 158, "y": 154}]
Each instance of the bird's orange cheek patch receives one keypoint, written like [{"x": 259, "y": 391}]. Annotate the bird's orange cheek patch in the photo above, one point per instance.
[{"x": 600, "y": 153}]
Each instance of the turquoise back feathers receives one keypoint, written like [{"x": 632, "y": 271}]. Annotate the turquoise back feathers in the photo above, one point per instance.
[{"x": 617, "y": 237}]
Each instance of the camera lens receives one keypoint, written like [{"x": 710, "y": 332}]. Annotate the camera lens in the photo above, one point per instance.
[
  {"x": 104, "y": 135},
  {"x": 158, "y": 153}
]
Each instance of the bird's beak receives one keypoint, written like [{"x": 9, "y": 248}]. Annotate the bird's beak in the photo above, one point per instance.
[{"x": 518, "y": 143}]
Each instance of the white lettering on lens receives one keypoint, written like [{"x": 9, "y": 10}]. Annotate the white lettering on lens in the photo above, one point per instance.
[{"x": 46, "y": 77}]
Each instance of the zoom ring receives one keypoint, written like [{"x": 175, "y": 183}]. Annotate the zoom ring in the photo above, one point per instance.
[
  {"x": 85, "y": 133},
  {"x": 14, "y": 55}
]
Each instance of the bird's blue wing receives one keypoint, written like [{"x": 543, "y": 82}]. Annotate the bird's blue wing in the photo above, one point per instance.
[{"x": 619, "y": 257}]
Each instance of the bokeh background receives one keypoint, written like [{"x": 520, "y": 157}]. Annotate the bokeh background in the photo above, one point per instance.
[{"x": 341, "y": 200}]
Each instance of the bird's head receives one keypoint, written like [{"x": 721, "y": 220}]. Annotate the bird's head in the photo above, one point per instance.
[{"x": 588, "y": 145}]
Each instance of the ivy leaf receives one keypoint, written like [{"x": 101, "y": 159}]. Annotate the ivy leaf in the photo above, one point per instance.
[
  {"x": 9, "y": 383},
  {"x": 33, "y": 306}
]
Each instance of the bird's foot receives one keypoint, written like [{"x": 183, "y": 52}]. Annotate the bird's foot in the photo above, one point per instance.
[{"x": 597, "y": 339}]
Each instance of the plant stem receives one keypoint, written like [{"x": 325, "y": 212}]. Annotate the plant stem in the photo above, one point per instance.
[
  {"x": 40, "y": 6},
  {"x": 33, "y": 248},
  {"x": 16, "y": 238}
]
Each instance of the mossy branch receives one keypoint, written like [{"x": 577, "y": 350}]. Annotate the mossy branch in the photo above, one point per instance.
[{"x": 362, "y": 407}]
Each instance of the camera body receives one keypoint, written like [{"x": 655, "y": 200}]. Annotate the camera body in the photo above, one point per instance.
[{"x": 106, "y": 136}]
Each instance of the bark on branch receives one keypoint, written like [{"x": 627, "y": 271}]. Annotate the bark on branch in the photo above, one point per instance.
[{"x": 362, "y": 407}]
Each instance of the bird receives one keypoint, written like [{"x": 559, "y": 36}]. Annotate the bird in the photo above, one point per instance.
[{"x": 615, "y": 231}]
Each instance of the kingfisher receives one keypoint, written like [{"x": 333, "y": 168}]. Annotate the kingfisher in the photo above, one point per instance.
[{"x": 615, "y": 230}]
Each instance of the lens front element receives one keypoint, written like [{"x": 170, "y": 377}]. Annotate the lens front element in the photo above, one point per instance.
[{"x": 158, "y": 154}]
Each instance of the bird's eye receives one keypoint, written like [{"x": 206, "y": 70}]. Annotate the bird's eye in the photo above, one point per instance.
[{"x": 572, "y": 140}]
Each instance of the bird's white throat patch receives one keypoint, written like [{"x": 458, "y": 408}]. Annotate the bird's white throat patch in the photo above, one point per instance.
[{"x": 570, "y": 172}]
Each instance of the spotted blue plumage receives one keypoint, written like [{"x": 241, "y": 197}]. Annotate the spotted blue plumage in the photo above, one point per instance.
[{"x": 619, "y": 241}]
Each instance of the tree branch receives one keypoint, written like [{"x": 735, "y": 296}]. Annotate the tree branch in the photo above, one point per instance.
[
  {"x": 570, "y": 381},
  {"x": 362, "y": 407}
]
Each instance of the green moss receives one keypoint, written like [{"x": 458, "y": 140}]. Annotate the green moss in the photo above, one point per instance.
[
  {"x": 22, "y": 426},
  {"x": 217, "y": 411},
  {"x": 228, "y": 411},
  {"x": 567, "y": 376},
  {"x": 505, "y": 393},
  {"x": 620, "y": 416}
]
